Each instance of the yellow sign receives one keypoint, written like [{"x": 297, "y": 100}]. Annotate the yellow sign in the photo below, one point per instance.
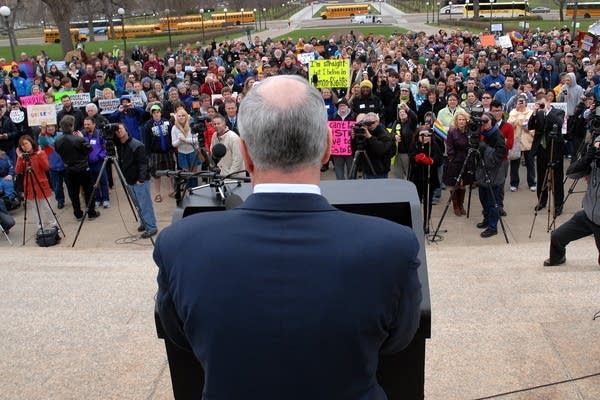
[{"x": 329, "y": 73}]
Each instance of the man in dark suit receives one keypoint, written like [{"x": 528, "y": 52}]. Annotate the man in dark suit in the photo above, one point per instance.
[
  {"x": 549, "y": 148},
  {"x": 275, "y": 303}
]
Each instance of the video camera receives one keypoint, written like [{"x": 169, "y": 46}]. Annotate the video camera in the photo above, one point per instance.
[
  {"x": 109, "y": 132},
  {"x": 359, "y": 133},
  {"x": 595, "y": 123},
  {"x": 474, "y": 126},
  {"x": 198, "y": 128}
]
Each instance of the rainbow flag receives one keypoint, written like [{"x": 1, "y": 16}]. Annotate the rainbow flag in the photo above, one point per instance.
[{"x": 440, "y": 129}]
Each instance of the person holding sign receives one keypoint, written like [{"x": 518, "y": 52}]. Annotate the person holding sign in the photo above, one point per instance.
[{"x": 341, "y": 151}]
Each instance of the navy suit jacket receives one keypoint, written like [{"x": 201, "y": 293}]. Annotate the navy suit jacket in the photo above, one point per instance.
[{"x": 286, "y": 297}]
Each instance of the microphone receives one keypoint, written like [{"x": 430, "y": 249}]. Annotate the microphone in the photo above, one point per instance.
[{"x": 217, "y": 153}]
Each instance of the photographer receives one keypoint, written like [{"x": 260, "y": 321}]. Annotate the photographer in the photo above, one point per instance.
[
  {"x": 492, "y": 153},
  {"x": 74, "y": 151},
  {"x": 129, "y": 115},
  {"x": 584, "y": 222},
  {"x": 134, "y": 164},
  {"x": 369, "y": 135},
  {"x": 403, "y": 129},
  {"x": 95, "y": 160},
  {"x": 159, "y": 149},
  {"x": 548, "y": 147}
]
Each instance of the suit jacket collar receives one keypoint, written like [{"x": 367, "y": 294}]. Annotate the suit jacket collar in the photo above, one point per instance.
[{"x": 286, "y": 202}]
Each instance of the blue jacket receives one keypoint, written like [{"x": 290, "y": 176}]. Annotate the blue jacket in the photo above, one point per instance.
[{"x": 132, "y": 120}]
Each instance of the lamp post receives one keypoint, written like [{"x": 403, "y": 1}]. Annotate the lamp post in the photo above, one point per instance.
[
  {"x": 225, "y": 11},
  {"x": 121, "y": 12},
  {"x": 524, "y": 13},
  {"x": 491, "y": 15},
  {"x": 265, "y": 16},
  {"x": 438, "y": 4},
  {"x": 574, "y": 20},
  {"x": 466, "y": 8},
  {"x": 427, "y": 11},
  {"x": 450, "y": 9},
  {"x": 168, "y": 12},
  {"x": 513, "y": 8},
  {"x": 257, "y": 27},
  {"x": 380, "y": 1},
  {"x": 242, "y": 18},
  {"x": 5, "y": 12},
  {"x": 202, "y": 22}
]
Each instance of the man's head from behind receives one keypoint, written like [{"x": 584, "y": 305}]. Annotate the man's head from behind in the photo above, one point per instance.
[
  {"x": 67, "y": 123},
  {"x": 283, "y": 126}
]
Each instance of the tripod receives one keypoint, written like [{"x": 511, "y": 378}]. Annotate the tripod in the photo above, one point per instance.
[
  {"x": 115, "y": 161},
  {"x": 474, "y": 156},
  {"x": 548, "y": 188},
  {"x": 358, "y": 155},
  {"x": 30, "y": 179}
]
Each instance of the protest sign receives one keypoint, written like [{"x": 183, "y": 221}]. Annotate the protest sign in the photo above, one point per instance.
[
  {"x": 60, "y": 95},
  {"x": 305, "y": 58},
  {"x": 38, "y": 113},
  {"x": 329, "y": 73},
  {"x": 80, "y": 99},
  {"x": 27, "y": 101},
  {"x": 340, "y": 137},
  {"x": 108, "y": 106}
]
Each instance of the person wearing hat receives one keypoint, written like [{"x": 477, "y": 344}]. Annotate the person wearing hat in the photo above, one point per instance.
[
  {"x": 494, "y": 81},
  {"x": 157, "y": 141},
  {"x": 129, "y": 115},
  {"x": 98, "y": 86},
  {"x": 342, "y": 163},
  {"x": 367, "y": 102}
]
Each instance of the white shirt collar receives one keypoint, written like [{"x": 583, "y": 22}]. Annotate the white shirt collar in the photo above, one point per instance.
[{"x": 286, "y": 188}]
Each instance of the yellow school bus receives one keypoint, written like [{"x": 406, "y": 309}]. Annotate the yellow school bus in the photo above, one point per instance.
[
  {"x": 585, "y": 10},
  {"x": 52, "y": 36},
  {"x": 235, "y": 18},
  {"x": 196, "y": 26},
  {"x": 132, "y": 31},
  {"x": 173, "y": 21},
  {"x": 344, "y": 10}
]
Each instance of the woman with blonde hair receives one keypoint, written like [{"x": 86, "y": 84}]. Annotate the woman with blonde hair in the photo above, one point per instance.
[
  {"x": 184, "y": 141},
  {"x": 519, "y": 119},
  {"x": 457, "y": 147}
]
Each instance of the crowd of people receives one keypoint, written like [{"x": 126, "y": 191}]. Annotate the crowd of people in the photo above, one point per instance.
[{"x": 416, "y": 95}]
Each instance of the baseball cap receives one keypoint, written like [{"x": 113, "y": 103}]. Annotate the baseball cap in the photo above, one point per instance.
[
  {"x": 585, "y": 59},
  {"x": 99, "y": 74},
  {"x": 155, "y": 107},
  {"x": 123, "y": 98}
]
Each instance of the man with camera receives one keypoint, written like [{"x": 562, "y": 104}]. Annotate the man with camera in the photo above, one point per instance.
[
  {"x": 369, "y": 135},
  {"x": 74, "y": 151},
  {"x": 134, "y": 165},
  {"x": 584, "y": 222},
  {"x": 548, "y": 147}
]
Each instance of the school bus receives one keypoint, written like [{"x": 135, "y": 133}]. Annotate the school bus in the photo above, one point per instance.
[
  {"x": 344, "y": 10},
  {"x": 196, "y": 26},
  {"x": 585, "y": 10},
  {"x": 236, "y": 18},
  {"x": 52, "y": 36},
  {"x": 164, "y": 23},
  {"x": 132, "y": 31},
  {"x": 512, "y": 9}
]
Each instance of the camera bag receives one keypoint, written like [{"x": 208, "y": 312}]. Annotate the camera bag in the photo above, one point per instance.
[{"x": 47, "y": 237}]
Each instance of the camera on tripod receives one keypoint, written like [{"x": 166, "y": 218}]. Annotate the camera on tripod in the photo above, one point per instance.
[
  {"x": 474, "y": 126},
  {"x": 198, "y": 128},
  {"x": 109, "y": 132},
  {"x": 595, "y": 123},
  {"x": 359, "y": 132}
]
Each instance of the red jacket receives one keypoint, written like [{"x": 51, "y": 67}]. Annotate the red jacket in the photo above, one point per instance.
[
  {"x": 39, "y": 165},
  {"x": 508, "y": 131}
]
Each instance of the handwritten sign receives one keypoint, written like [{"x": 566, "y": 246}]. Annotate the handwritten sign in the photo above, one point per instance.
[
  {"x": 60, "y": 95},
  {"x": 305, "y": 58},
  {"x": 27, "y": 101},
  {"x": 136, "y": 100},
  {"x": 108, "y": 106},
  {"x": 504, "y": 42},
  {"x": 329, "y": 73},
  {"x": 80, "y": 99},
  {"x": 340, "y": 137},
  {"x": 487, "y": 40},
  {"x": 36, "y": 114}
]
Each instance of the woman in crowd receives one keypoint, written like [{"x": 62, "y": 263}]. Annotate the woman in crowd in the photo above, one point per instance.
[
  {"x": 37, "y": 189},
  {"x": 330, "y": 101},
  {"x": 403, "y": 130},
  {"x": 353, "y": 93},
  {"x": 185, "y": 143},
  {"x": 519, "y": 119},
  {"x": 457, "y": 146},
  {"x": 56, "y": 171},
  {"x": 433, "y": 104}
]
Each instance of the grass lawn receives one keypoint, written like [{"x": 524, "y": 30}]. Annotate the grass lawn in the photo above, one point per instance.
[
  {"x": 327, "y": 32},
  {"x": 317, "y": 14}
]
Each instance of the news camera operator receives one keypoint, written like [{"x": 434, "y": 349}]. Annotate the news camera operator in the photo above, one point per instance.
[
  {"x": 134, "y": 164},
  {"x": 587, "y": 221},
  {"x": 157, "y": 140},
  {"x": 548, "y": 147},
  {"x": 492, "y": 160},
  {"x": 370, "y": 135}
]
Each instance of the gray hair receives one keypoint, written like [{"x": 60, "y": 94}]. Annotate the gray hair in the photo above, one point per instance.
[
  {"x": 91, "y": 106},
  {"x": 67, "y": 123},
  {"x": 283, "y": 122}
]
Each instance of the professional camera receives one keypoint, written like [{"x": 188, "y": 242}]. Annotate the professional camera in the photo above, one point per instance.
[
  {"x": 359, "y": 132},
  {"x": 109, "y": 132},
  {"x": 198, "y": 128},
  {"x": 474, "y": 126},
  {"x": 595, "y": 123},
  {"x": 26, "y": 156}
]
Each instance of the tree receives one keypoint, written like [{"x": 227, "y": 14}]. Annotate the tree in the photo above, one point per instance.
[
  {"x": 476, "y": 10},
  {"x": 561, "y": 7},
  {"x": 62, "y": 11}
]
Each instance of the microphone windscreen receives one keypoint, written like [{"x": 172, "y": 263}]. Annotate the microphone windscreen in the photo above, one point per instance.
[{"x": 219, "y": 150}]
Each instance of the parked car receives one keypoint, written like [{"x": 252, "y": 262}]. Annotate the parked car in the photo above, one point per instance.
[
  {"x": 540, "y": 10},
  {"x": 366, "y": 19}
]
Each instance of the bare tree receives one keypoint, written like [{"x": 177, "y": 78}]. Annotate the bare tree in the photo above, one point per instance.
[
  {"x": 62, "y": 11},
  {"x": 561, "y": 7}
]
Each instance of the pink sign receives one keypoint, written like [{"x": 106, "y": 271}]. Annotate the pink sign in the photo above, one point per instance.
[
  {"x": 32, "y": 100},
  {"x": 340, "y": 137}
]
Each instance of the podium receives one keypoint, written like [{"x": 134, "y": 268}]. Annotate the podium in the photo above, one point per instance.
[{"x": 402, "y": 375}]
